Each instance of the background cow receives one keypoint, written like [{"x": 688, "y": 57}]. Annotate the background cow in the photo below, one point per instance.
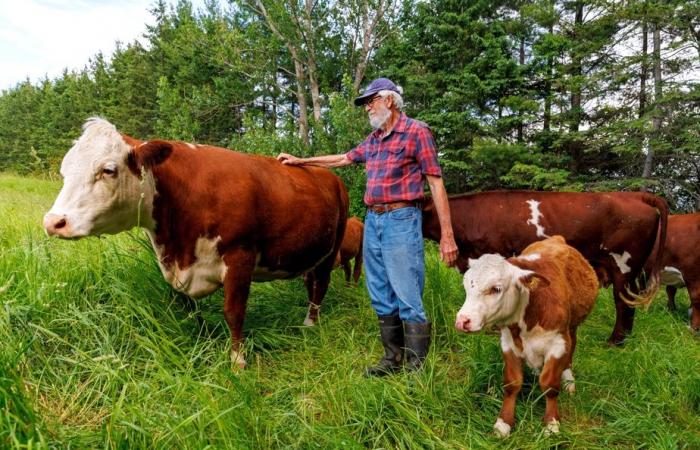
[
  {"x": 215, "y": 217},
  {"x": 615, "y": 231},
  {"x": 537, "y": 300},
  {"x": 350, "y": 249},
  {"x": 681, "y": 262}
]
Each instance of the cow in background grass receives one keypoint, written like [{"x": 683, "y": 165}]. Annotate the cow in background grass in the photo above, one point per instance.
[
  {"x": 615, "y": 231},
  {"x": 215, "y": 217},
  {"x": 537, "y": 300},
  {"x": 681, "y": 262},
  {"x": 350, "y": 249}
]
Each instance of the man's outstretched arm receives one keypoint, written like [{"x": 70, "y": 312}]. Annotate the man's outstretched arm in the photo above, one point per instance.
[{"x": 327, "y": 161}]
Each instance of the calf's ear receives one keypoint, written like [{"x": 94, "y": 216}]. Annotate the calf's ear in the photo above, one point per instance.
[
  {"x": 532, "y": 280},
  {"x": 148, "y": 154}
]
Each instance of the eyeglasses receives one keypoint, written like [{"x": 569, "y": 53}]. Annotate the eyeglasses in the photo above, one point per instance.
[{"x": 370, "y": 103}]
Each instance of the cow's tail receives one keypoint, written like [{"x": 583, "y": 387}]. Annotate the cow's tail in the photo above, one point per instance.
[{"x": 653, "y": 283}]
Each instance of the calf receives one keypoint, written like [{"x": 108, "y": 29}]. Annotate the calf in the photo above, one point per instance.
[
  {"x": 350, "y": 248},
  {"x": 537, "y": 300}
]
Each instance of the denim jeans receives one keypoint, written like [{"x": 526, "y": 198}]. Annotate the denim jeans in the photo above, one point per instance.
[{"x": 394, "y": 263}]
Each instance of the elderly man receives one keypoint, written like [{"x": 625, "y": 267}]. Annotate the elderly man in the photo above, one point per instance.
[{"x": 400, "y": 156}]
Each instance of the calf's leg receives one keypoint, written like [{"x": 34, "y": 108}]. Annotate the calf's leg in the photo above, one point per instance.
[
  {"x": 512, "y": 383},
  {"x": 550, "y": 382}
]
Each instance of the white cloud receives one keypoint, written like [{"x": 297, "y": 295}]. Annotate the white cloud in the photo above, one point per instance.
[{"x": 40, "y": 38}]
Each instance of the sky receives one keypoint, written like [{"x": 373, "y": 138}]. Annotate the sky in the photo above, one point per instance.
[{"x": 40, "y": 38}]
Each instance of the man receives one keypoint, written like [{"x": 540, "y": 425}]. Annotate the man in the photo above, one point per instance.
[{"x": 400, "y": 156}]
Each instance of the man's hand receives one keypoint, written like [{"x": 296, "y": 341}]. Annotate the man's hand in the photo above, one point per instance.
[
  {"x": 448, "y": 250},
  {"x": 291, "y": 160}
]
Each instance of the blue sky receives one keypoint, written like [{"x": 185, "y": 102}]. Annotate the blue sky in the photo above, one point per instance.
[{"x": 42, "y": 37}]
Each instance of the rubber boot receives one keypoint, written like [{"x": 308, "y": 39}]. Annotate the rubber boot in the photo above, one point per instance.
[
  {"x": 417, "y": 341},
  {"x": 391, "y": 331}
]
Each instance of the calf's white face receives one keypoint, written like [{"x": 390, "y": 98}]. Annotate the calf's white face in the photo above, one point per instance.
[
  {"x": 496, "y": 293},
  {"x": 100, "y": 194}
]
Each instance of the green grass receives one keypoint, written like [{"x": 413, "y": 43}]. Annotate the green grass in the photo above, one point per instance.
[{"x": 97, "y": 351}]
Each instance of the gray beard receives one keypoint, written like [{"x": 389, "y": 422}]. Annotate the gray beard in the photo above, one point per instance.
[{"x": 379, "y": 119}]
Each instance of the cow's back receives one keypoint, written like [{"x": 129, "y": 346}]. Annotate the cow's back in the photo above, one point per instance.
[
  {"x": 290, "y": 216},
  {"x": 573, "y": 285}
]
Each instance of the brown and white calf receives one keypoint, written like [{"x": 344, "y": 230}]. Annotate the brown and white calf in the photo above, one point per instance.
[
  {"x": 215, "y": 217},
  {"x": 350, "y": 249},
  {"x": 537, "y": 299}
]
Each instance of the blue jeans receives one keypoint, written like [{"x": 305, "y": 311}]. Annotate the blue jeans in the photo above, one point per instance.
[{"x": 394, "y": 263}]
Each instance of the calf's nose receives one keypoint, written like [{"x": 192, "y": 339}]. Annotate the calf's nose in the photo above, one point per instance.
[{"x": 54, "y": 224}]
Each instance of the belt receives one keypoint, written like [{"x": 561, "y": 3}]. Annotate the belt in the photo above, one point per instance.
[{"x": 381, "y": 208}]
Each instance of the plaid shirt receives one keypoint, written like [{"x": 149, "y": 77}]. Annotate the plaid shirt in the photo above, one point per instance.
[{"x": 397, "y": 164}]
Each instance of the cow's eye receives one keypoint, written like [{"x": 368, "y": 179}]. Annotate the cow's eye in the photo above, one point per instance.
[
  {"x": 495, "y": 290},
  {"x": 109, "y": 171}
]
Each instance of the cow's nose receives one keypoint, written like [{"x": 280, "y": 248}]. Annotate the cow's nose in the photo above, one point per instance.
[
  {"x": 54, "y": 224},
  {"x": 462, "y": 323}
]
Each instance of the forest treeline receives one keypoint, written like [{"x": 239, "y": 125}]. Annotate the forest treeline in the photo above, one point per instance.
[{"x": 553, "y": 95}]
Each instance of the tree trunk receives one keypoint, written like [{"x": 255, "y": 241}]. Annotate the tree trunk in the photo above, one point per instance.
[
  {"x": 656, "y": 120},
  {"x": 369, "y": 39},
  {"x": 520, "y": 113},
  {"x": 311, "y": 60},
  {"x": 643, "y": 72}
]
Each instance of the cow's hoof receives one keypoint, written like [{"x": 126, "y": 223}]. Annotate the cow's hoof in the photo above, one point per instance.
[
  {"x": 501, "y": 428},
  {"x": 568, "y": 381},
  {"x": 552, "y": 427},
  {"x": 237, "y": 360},
  {"x": 616, "y": 342}
]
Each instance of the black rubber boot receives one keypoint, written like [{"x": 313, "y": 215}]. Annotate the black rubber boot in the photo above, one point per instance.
[
  {"x": 391, "y": 331},
  {"x": 417, "y": 340}
]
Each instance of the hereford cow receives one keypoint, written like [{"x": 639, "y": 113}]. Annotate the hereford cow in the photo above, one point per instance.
[
  {"x": 615, "y": 231},
  {"x": 537, "y": 299},
  {"x": 681, "y": 262},
  {"x": 215, "y": 217},
  {"x": 350, "y": 249}
]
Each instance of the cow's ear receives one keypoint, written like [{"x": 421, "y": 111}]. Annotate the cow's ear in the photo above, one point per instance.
[
  {"x": 532, "y": 280},
  {"x": 470, "y": 262},
  {"x": 149, "y": 154}
]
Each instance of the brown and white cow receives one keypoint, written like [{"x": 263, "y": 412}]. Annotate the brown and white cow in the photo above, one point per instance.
[
  {"x": 537, "y": 300},
  {"x": 350, "y": 249},
  {"x": 681, "y": 262},
  {"x": 615, "y": 231},
  {"x": 215, "y": 217}
]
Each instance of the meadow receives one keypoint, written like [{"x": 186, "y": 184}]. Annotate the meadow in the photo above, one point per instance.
[{"x": 97, "y": 351}]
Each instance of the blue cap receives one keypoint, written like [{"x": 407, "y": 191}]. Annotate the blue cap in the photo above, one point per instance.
[{"x": 380, "y": 84}]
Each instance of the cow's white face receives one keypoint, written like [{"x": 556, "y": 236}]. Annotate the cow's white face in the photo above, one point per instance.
[
  {"x": 100, "y": 195},
  {"x": 495, "y": 291}
]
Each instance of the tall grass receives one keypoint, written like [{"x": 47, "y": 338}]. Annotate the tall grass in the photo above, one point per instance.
[{"x": 97, "y": 351}]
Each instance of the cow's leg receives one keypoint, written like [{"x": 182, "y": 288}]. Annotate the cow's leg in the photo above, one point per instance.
[
  {"x": 321, "y": 277},
  {"x": 624, "y": 315},
  {"x": 512, "y": 383},
  {"x": 550, "y": 382},
  {"x": 567, "y": 376},
  {"x": 671, "y": 294},
  {"x": 358, "y": 268},
  {"x": 239, "y": 271},
  {"x": 694, "y": 294},
  {"x": 348, "y": 271}
]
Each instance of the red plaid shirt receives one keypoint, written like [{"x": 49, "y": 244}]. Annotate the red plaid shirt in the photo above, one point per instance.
[{"x": 397, "y": 164}]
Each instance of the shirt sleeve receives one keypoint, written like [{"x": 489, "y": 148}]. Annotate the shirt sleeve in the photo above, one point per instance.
[
  {"x": 426, "y": 153},
  {"x": 359, "y": 153}
]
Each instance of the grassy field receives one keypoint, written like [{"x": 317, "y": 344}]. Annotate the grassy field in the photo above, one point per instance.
[{"x": 96, "y": 351}]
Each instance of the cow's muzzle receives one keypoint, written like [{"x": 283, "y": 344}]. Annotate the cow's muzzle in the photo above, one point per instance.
[{"x": 56, "y": 225}]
